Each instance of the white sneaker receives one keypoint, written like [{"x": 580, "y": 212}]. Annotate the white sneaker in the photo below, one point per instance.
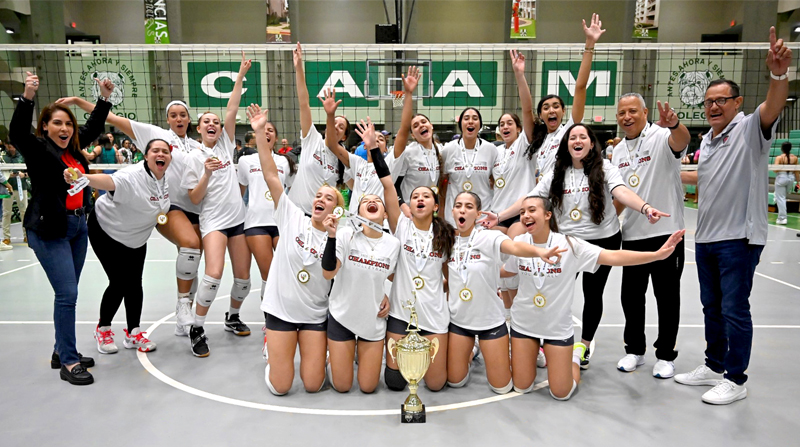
[
  {"x": 105, "y": 340},
  {"x": 183, "y": 312},
  {"x": 182, "y": 331},
  {"x": 663, "y": 369},
  {"x": 5, "y": 247},
  {"x": 630, "y": 362},
  {"x": 541, "y": 361},
  {"x": 702, "y": 375},
  {"x": 781, "y": 221},
  {"x": 136, "y": 340},
  {"x": 726, "y": 392}
]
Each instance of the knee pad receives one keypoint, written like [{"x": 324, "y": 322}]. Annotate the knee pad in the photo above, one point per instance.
[
  {"x": 269, "y": 384},
  {"x": 505, "y": 390},
  {"x": 207, "y": 291},
  {"x": 524, "y": 390},
  {"x": 240, "y": 289},
  {"x": 461, "y": 383},
  {"x": 187, "y": 264},
  {"x": 574, "y": 385},
  {"x": 394, "y": 380}
]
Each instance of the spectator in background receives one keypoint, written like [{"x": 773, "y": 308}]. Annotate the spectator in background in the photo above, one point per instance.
[
  {"x": 784, "y": 181},
  {"x": 6, "y": 190},
  {"x": 248, "y": 149},
  {"x": 284, "y": 147},
  {"x": 125, "y": 152},
  {"x": 111, "y": 139},
  {"x": 136, "y": 154},
  {"x": 21, "y": 185}
]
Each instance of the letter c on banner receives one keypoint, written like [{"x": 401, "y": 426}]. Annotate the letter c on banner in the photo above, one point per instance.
[{"x": 208, "y": 81}]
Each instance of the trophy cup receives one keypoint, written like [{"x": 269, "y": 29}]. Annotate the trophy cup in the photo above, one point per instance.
[{"x": 414, "y": 356}]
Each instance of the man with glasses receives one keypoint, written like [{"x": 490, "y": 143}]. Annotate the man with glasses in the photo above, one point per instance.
[{"x": 732, "y": 223}]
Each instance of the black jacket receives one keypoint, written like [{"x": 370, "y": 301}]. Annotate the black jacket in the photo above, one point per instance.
[{"x": 47, "y": 211}]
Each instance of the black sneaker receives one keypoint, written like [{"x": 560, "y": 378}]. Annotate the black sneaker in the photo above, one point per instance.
[
  {"x": 235, "y": 325},
  {"x": 585, "y": 360},
  {"x": 55, "y": 361},
  {"x": 78, "y": 376},
  {"x": 197, "y": 335}
]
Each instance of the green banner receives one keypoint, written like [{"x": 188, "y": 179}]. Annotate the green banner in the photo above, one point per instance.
[
  {"x": 346, "y": 77},
  {"x": 462, "y": 84},
  {"x": 156, "y": 30},
  {"x": 211, "y": 84},
  {"x": 559, "y": 78}
]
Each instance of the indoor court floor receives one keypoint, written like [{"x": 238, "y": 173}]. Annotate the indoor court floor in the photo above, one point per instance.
[{"x": 169, "y": 397}]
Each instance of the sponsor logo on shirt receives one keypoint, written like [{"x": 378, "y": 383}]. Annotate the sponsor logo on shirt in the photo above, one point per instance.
[
  {"x": 476, "y": 168},
  {"x": 156, "y": 199},
  {"x": 569, "y": 191},
  {"x": 327, "y": 167},
  {"x": 380, "y": 264},
  {"x": 550, "y": 270},
  {"x": 302, "y": 245},
  {"x": 410, "y": 249},
  {"x": 644, "y": 159},
  {"x": 475, "y": 257}
]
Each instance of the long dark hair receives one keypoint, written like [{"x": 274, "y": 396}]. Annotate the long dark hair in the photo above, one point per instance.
[
  {"x": 539, "y": 127},
  {"x": 444, "y": 235},
  {"x": 438, "y": 153},
  {"x": 592, "y": 168},
  {"x": 292, "y": 164},
  {"x": 547, "y": 205},
  {"x": 74, "y": 147},
  {"x": 786, "y": 148}
]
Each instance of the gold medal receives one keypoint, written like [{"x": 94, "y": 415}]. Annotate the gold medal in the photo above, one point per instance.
[
  {"x": 539, "y": 300},
  {"x": 633, "y": 181},
  {"x": 575, "y": 214},
  {"x": 465, "y": 294},
  {"x": 467, "y": 186},
  {"x": 435, "y": 189},
  {"x": 303, "y": 276},
  {"x": 419, "y": 283},
  {"x": 162, "y": 219},
  {"x": 268, "y": 196},
  {"x": 338, "y": 211},
  {"x": 500, "y": 183},
  {"x": 74, "y": 173}
]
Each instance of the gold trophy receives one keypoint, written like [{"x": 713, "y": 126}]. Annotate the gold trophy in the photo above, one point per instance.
[{"x": 414, "y": 356}]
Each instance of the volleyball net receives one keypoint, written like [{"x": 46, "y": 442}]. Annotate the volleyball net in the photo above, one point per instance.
[{"x": 368, "y": 77}]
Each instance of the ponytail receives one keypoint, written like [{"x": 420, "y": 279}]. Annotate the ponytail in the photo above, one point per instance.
[{"x": 444, "y": 235}]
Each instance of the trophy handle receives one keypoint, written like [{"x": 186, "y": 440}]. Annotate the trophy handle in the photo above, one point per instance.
[
  {"x": 434, "y": 348},
  {"x": 390, "y": 347}
]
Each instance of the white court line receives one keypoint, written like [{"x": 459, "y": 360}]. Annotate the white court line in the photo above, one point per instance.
[
  {"x": 765, "y": 276},
  {"x": 18, "y": 269}
]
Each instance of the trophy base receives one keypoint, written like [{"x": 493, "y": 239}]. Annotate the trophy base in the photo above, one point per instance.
[{"x": 412, "y": 418}]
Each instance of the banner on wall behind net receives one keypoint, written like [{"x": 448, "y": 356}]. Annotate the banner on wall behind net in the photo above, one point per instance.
[
  {"x": 156, "y": 30},
  {"x": 645, "y": 22},
  {"x": 278, "y": 29},
  {"x": 523, "y": 19},
  {"x": 128, "y": 71}
]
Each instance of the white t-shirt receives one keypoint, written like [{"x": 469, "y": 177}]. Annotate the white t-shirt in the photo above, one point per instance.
[
  {"x": 518, "y": 173},
  {"x": 260, "y": 208},
  {"x": 358, "y": 289},
  {"x": 584, "y": 228},
  {"x": 181, "y": 148},
  {"x": 477, "y": 310},
  {"x": 481, "y": 159},
  {"x": 317, "y": 166},
  {"x": 658, "y": 169},
  {"x": 365, "y": 181},
  {"x": 418, "y": 167},
  {"x": 128, "y": 214},
  {"x": 285, "y": 296},
  {"x": 431, "y": 305},
  {"x": 222, "y": 207},
  {"x": 546, "y": 155},
  {"x": 551, "y": 317}
]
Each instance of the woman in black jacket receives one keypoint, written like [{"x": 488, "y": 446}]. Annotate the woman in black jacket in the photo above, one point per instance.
[{"x": 56, "y": 220}]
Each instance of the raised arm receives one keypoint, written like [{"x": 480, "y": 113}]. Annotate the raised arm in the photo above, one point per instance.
[
  {"x": 302, "y": 92},
  {"x": 236, "y": 97},
  {"x": 779, "y": 57},
  {"x": 120, "y": 122},
  {"x": 19, "y": 130},
  {"x": 331, "y": 104},
  {"x": 96, "y": 124},
  {"x": 410, "y": 82},
  {"x": 525, "y": 100},
  {"x": 627, "y": 257},
  {"x": 593, "y": 33},
  {"x": 366, "y": 130},
  {"x": 258, "y": 121},
  {"x": 679, "y": 135}
]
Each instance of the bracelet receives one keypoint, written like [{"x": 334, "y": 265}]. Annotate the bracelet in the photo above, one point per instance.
[
  {"x": 641, "y": 211},
  {"x": 778, "y": 78},
  {"x": 675, "y": 126},
  {"x": 588, "y": 50},
  {"x": 103, "y": 98}
]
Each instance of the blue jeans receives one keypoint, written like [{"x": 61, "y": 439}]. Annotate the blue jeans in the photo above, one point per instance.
[
  {"x": 726, "y": 271},
  {"x": 62, "y": 260}
]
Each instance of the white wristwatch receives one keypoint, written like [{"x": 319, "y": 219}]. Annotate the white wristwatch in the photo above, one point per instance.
[{"x": 778, "y": 78}]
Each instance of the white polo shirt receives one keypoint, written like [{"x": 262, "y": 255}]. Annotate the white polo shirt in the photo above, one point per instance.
[
  {"x": 658, "y": 182},
  {"x": 317, "y": 166},
  {"x": 468, "y": 165},
  {"x": 128, "y": 214},
  {"x": 260, "y": 207}
]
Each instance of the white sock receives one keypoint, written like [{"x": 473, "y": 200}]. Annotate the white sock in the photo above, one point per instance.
[{"x": 199, "y": 321}]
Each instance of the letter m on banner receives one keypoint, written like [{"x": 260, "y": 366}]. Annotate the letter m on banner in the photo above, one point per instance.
[{"x": 559, "y": 78}]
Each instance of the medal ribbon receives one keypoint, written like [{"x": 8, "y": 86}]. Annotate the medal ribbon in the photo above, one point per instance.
[
  {"x": 421, "y": 253},
  {"x": 577, "y": 192},
  {"x": 468, "y": 167},
  {"x": 462, "y": 262},
  {"x": 633, "y": 157}
]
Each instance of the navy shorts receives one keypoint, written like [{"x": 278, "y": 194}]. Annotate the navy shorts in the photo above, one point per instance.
[
  {"x": 398, "y": 326},
  {"x": 337, "y": 332},
  {"x": 233, "y": 231},
  {"x": 547, "y": 341},
  {"x": 508, "y": 222},
  {"x": 274, "y": 323},
  {"x": 193, "y": 218},
  {"x": 270, "y": 230},
  {"x": 486, "y": 334}
]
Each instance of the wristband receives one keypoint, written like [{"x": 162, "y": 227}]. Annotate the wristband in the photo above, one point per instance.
[
  {"x": 641, "y": 211},
  {"x": 778, "y": 78},
  {"x": 381, "y": 168},
  {"x": 329, "y": 256},
  {"x": 675, "y": 126}
]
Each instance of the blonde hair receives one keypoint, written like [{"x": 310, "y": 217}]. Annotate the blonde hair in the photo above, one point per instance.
[{"x": 339, "y": 196}]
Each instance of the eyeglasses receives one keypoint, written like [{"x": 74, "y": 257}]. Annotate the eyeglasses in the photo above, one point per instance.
[{"x": 720, "y": 101}]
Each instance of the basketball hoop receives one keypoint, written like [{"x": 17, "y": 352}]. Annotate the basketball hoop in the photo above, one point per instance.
[{"x": 397, "y": 101}]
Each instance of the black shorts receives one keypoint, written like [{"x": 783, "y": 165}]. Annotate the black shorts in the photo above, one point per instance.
[
  {"x": 486, "y": 334},
  {"x": 398, "y": 326},
  {"x": 508, "y": 222},
  {"x": 269, "y": 230},
  {"x": 337, "y": 332},
  {"x": 233, "y": 231},
  {"x": 547, "y": 341},
  {"x": 274, "y": 323},
  {"x": 193, "y": 218}
]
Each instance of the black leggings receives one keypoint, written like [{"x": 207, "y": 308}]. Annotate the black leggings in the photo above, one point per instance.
[
  {"x": 123, "y": 266},
  {"x": 593, "y": 286}
]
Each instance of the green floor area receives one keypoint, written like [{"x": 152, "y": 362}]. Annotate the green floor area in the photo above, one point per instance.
[{"x": 792, "y": 218}]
